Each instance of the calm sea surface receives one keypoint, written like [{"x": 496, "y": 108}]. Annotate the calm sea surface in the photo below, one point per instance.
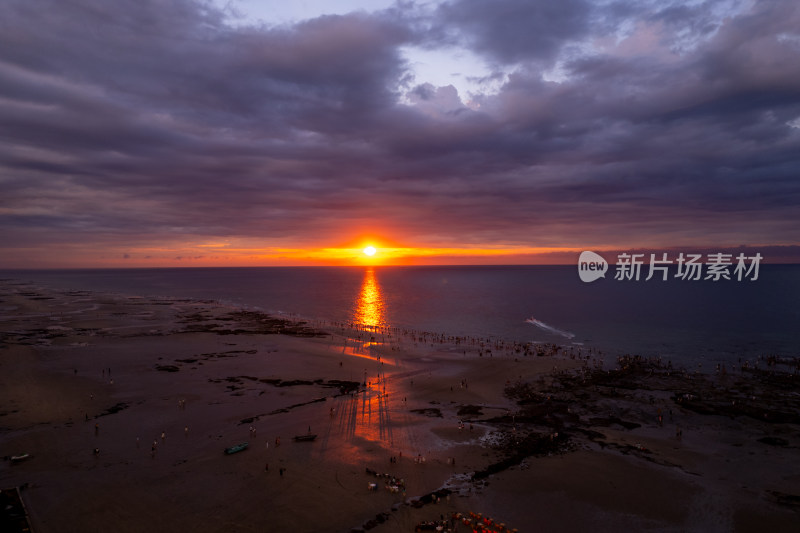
[{"x": 686, "y": 321}]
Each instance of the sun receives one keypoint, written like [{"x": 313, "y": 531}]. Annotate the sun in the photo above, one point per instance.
[{"x": 370, "y": 251}]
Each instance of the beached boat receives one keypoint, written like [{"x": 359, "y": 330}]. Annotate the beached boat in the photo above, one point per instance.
[
  {"x": 237, "y": 448},
  {"x": 305, "y": 438}
]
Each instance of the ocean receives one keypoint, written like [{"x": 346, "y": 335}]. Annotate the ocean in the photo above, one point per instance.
[{"x": 688, "y": 322}]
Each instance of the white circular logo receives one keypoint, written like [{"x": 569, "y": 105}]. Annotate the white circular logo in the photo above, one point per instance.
[{"x": 591, "y": 266}]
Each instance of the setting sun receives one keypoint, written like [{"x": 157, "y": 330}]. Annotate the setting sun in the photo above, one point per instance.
[{"x": 370, "y": 250}]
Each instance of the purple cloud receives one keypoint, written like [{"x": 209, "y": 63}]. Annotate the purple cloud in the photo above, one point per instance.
[{"x": 145, "y": 124}]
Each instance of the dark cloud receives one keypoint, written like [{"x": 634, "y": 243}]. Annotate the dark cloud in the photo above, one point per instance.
[
  {"x": 154, "y": 122},
  {"x": 509, "y": 31}
]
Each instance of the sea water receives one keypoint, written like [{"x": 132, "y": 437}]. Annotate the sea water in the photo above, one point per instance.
[{"x": 688, "y": 322}]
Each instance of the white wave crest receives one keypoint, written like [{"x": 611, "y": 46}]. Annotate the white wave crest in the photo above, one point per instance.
[{"x": 550, "y": 329}]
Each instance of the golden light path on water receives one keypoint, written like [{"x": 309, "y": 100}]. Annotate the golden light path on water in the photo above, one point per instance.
[
  {"x": 369, "y": 311},
  {"x": 379, "y": 408},
  {"x": 367, "y": 414}
]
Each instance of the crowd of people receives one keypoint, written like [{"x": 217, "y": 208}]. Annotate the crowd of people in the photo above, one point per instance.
[{"x": 473, "y": 522}]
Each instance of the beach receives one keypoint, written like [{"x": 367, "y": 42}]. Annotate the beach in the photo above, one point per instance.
[{"x": 126, "y": 406}]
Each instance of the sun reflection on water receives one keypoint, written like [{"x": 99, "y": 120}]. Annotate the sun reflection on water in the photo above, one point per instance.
[
  {"x": 367, "y": 414},
  {"x": 369, "y": 308}
]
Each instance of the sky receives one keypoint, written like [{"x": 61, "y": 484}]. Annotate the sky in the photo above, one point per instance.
[{"x": 141, "y": 133}]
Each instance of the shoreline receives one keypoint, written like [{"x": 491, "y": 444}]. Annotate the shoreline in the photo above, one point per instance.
[
  {"x": 194, "y": 377},
  {"x": 704, "y": 333}
]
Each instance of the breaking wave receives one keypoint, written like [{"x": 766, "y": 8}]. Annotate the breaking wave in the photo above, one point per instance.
[{"x": 550, "y": 329}]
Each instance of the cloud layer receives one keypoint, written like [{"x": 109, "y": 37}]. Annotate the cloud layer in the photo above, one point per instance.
[{"x": 157, "y": 128}]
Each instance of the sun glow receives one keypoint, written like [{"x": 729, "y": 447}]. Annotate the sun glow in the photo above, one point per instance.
[{"x": 364, "y": 250}]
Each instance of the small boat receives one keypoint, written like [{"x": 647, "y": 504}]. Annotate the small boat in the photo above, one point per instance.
[
  {"x": 19, "y": 458},
  {"x": 237, "y": 448},
  {"x": 305, "y": 438}
]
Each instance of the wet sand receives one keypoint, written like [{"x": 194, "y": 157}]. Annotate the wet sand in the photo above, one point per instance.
[{"x": 127, "y": 404}]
